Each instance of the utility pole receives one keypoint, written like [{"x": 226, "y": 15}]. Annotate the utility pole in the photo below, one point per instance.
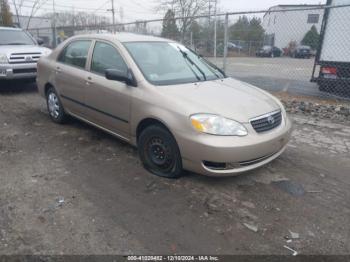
[
  {"x": 215, "y": 29},
  {"x": 54, "y": 34},
  {"x": 113, "y": 15},
  {"x": 73, "y": 17}
]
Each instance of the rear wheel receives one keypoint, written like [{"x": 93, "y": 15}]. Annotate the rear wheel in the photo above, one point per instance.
[
  {"x": 159, "y": 152},
  {"x": 55, "y": 107}
]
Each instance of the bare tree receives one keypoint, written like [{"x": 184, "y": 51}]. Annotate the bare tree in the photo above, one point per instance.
[
  {"x": 81, "y": 19},
  {"x": 35, "y": 6},
  {"x": 5, "y": 13},
  {"x": 186, "y": 10},
  {"x": 18, "y": 7}
]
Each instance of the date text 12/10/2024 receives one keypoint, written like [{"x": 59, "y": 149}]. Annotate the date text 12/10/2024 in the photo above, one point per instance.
[{"x": 173, "y": 258}]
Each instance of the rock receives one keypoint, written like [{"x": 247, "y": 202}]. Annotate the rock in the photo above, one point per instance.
[
  {"x": 294, "y": 235},
  {"x": 339, "y": 112},
  {"x": 248, "y": 204},
  {"x": 251, "y": 227}
]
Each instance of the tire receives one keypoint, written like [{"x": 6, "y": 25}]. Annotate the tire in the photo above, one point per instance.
[
  {"x": 55, "y": 107},
  {"x": 159, "y": 152}
]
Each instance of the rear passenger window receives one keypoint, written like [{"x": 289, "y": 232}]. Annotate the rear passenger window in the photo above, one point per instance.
[
  {"x": 106, "y": 57},
  {"x": 76, "y": 53}
]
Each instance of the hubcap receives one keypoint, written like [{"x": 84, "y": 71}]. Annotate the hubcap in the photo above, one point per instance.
[
  {"x": 54, "y": 107},
  {"x": 159, "y": 153}
]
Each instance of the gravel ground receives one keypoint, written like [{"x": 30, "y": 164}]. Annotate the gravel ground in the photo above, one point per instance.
[{"x": 72, "y": 189}]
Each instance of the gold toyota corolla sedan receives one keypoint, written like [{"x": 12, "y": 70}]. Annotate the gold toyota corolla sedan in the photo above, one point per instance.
[{"x": 179, "y": 110}]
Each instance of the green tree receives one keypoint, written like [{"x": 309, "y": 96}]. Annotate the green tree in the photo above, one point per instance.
[
  {"x": 239, "y": 30},
  {"x": 5, "y": 14},
  {"x": 247, "y": 30},
  {"x": 311, "y": 38},
  {"x": 256, "y": 31},
  {"x": 170, "y": 29}
]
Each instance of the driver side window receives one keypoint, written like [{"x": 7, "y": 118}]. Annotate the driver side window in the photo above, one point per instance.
[
  {"x": 75, "y": 54},
  {"x": 106, "y": 57}
]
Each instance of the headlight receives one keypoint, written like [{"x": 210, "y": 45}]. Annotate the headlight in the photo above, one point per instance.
[
  {"x": 46, "y": 52},
  {"x": 3, "y": 59},
  {"x": 217, "y": 125}
]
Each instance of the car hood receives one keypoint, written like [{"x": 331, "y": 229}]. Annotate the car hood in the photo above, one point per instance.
[
  {"x": 10, "y": 49},
  {"x": 229, "y": 98}
]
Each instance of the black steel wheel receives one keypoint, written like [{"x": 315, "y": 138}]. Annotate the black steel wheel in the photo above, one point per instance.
[{"x": 159, "y": 152}]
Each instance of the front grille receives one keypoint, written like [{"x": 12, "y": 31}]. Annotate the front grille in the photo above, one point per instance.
[
  {"x": 267, "y": 122},
  {"x": 24, "y": 58},
  {"x": 24, "y": 71}
]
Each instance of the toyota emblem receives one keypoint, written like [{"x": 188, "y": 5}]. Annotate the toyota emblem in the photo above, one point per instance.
[{"x": 271, "y": 120}]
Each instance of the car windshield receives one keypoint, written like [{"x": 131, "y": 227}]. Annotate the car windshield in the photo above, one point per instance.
[
  {"x": 15, "y": 37},
  {"x": 165, "y": 63}
]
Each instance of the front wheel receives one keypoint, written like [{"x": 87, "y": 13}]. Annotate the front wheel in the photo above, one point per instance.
[
  {"x": 159, "y": 152},
  {"x": 55, "y": 107}
]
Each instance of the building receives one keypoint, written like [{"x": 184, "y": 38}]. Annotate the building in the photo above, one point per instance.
[{"x": 290, "y": 23}]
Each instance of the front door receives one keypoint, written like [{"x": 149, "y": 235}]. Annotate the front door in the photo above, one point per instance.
[{"x": 108, "y": 102}]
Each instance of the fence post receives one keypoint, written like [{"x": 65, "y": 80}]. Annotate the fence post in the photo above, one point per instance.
[
  {"x": 225, "y": 43},
  {"x": 191, "y": 44},
  {"x": 250, "y": 47},
  {"x": 54, "y": 39}
]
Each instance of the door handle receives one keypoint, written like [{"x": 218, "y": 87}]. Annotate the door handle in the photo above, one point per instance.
[
  {"x": 89, "y": 81},
  {"x": 58, "y": 70}
]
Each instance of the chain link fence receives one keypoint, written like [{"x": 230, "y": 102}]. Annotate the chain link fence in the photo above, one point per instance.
[{"x": 301, "y": 50}]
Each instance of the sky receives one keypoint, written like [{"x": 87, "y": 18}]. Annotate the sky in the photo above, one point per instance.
[{"x": 144, "y": 10}]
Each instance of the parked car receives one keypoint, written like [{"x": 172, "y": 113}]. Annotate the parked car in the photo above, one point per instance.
[
  {"x": 180, "y": 110},
  {"x": 19, "y": 53},
  {"x": 269, "y": 51},
  {"x": 302, "y": 51},
  {"x": 233, "y": 47}
]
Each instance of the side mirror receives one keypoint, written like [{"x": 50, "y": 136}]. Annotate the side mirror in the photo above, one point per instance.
[
  {"x": 126, "y": 77},
  {"x": 40, "y": 41}
]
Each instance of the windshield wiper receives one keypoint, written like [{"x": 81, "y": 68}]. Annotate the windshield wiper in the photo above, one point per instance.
[
  {"x": 16, "y": 44},
  {"x": 210, "y": 64},
  {"x": 187, "y": 58}
]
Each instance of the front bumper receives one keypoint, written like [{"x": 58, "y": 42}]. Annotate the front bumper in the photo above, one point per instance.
[
  {"x": 18, "y": 71},
  {"x": 241, "y": 153}
]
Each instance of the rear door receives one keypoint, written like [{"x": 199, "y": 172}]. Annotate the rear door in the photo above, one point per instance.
[
  {"x": 71, "y": 75},
  {"x": 108, "y": 102}
]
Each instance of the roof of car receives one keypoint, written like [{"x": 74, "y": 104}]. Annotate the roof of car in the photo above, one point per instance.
[
  {"x": 10, "y": 28},
  {"x": 126, "y": 37}
]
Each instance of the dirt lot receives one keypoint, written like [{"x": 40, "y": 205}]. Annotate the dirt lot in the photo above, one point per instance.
[{"x": 72, "y": 189}]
